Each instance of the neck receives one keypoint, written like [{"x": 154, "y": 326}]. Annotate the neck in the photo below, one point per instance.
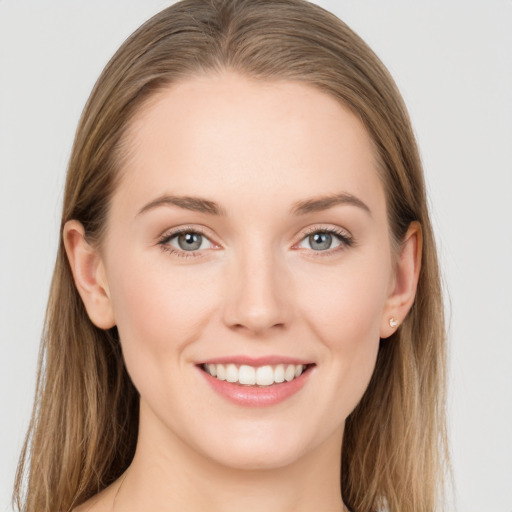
[{"x": 167, "y": 475}]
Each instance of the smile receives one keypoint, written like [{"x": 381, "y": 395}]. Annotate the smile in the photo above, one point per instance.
[
  {"x": 247, "y": 375},
  {"x": 256, "y": 384}
]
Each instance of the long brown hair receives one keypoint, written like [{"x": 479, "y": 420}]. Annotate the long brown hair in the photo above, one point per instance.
[{"x": 84, "y": 426}]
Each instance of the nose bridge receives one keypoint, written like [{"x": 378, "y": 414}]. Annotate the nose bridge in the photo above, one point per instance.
[{"x": 256, "y": 293}]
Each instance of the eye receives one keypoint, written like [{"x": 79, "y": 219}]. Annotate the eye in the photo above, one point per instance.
[
  {"x": 322, "y": 240},
  {"x": 190, "y": 241},
  {"x": 185, "y": 242}
]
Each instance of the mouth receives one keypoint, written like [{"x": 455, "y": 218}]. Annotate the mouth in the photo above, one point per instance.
[
  {"x": 256, "y": 382},
  {"x": 255, "y": 376}
]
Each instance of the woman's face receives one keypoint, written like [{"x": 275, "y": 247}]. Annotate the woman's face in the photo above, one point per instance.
[{"x": 248, "y": 232}]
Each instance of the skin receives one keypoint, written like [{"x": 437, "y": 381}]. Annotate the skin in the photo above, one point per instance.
[{"x": 256, "y": 287}]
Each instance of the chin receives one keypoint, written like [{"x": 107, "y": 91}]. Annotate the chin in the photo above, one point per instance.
[
  {"x": 248, "y": 459},
  {"x": 265, "y": 450}
]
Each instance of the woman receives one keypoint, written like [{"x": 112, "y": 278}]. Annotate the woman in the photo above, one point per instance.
[{"x": 246, "y": 307}]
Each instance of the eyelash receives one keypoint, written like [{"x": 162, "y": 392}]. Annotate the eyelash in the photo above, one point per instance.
[
  {"x": 167, "y": 237},
  {"x": 345, "y": 239}
]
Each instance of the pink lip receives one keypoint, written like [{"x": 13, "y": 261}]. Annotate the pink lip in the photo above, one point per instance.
[
  {"x": 255, "y": 361},
  {"x": 254, "y": 396}
]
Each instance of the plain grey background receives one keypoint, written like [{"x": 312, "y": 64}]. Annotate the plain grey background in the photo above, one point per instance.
[{"x": 453, "y": 63}]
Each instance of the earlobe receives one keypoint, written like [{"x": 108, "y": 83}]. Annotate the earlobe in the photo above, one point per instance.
[
  {"x": 89, "y": 275},
  {"x": 407, "y": 272}
]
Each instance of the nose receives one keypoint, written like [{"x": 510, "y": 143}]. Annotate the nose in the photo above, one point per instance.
[{"x": 257, "y": 297}]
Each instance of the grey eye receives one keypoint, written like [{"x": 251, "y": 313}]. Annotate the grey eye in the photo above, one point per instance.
[
  {"x": 320, "y": 241},
  {"x": 189, "y": 241}
]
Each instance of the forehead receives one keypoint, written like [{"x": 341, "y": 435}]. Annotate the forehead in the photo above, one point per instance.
[{"x": 235, "y": 137}]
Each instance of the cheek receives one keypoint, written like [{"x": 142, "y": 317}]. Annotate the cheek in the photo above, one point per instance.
[
  {"x": 345, "y": 304},
  {"x": 344, "y": 310},
  {"x": 159, "y": 309}
]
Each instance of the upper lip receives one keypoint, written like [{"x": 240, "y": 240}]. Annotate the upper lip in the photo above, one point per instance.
[{"x": 255, "y": 361}]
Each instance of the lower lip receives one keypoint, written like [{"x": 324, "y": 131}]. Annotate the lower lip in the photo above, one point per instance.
[{"x": 255, "y": 396}]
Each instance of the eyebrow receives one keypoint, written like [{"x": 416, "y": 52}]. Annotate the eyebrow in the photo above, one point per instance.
[
  {"x": 196, "y": 204},
  {"x": 321, "y": 203},
  {"x": 202, "y": 205}
]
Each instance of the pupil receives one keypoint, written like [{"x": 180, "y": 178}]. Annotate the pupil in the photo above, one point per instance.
[
  {"x": 189, "y": 241},
  {"x": 320, "y": 241}
]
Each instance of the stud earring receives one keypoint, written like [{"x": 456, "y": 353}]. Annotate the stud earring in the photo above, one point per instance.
[{"x": 393, "y": 322}]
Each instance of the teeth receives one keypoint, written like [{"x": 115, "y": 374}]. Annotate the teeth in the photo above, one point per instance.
[
  {"x": 279, "y": 373},
  {"x": 289, "y": 373},
  {"x": 221, "y": 371},
  {"x": 250, "y": 376},
  {"x": 212, "y": 369},
  {"x": 231, "y": 373},
  {"x": 265, "y": 376},
  {"x": 247, "y": 375}
]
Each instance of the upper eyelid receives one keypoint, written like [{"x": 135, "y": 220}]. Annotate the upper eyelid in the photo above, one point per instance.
[
  {"x": 315, "y": 229},
  {"x": 341, "y": 233},
  {"x": 202, "y": 230},
  {"x": 171, "y": 232}
]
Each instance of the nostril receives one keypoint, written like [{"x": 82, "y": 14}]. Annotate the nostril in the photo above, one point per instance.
[{"x": 256, "y": 306}]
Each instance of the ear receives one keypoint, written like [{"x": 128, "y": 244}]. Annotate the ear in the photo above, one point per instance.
[
  {"x": 405, "y": 281},
  {"x": 89, "y": 275}
]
